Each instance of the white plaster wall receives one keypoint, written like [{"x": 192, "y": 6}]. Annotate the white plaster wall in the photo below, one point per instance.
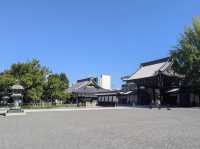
[{"x": 105, "y": 82}]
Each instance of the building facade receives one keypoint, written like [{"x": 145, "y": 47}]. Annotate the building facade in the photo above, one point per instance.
[
  {"x": 153, "y": 81},
  {"x": 105, "y": 82},
  {"x": 84, "y": 91}
]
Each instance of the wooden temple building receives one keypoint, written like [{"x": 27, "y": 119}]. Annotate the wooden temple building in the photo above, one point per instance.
[
  {"x": 154, "y": 80},
  {"x": 84, "y": 91}
]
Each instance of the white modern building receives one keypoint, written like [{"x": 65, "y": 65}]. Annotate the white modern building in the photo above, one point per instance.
[{"x": 105, "y": 82}]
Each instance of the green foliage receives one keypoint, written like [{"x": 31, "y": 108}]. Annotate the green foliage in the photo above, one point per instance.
[
  {"x": 56, "y": 86},
  {"x": 186, "y": 56},
  {"x": 6, "y": 80},
  {"x": 31, "y": 76},
  {"x": 64, "y": 79}
]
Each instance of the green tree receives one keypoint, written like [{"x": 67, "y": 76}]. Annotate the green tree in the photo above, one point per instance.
[
  {"x": 186, "y": 56},
  {"x": 32, "y": 76},
  {"x": 55, "y": 87},
  {"x": 64, "y": 79},
  {"x": 6, "y": 81}
]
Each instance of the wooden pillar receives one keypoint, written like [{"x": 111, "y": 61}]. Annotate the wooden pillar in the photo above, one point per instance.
[
  {"x": 161, "y": 86},
  {"x": 138, "y": 94},
  {"x": 154, "y": 94},
  {"x": 153, "y": 89}
]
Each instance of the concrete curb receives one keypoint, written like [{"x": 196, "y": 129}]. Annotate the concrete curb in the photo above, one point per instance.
[
  {"x": 74, "y": 109},
  {"x": 15, "y": 114}
]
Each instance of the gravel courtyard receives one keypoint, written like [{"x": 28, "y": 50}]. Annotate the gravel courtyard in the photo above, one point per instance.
[{"x": 135, "y": 128}]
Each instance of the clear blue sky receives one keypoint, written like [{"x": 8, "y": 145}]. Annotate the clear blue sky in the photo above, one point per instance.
[{"x": 91, "y": 37}]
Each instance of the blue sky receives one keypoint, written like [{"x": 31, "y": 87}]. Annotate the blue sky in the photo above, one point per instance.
[{"x": 91, "y": 37}]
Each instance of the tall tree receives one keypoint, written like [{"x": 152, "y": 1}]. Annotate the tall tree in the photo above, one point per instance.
[
  {"x": 186, "y": 56},
  {"x": 55, "y": 87},
  {"x": 64, "y": 79},
  {"x": 32, "y": 76},
  {"x": 6, "y": 81}
]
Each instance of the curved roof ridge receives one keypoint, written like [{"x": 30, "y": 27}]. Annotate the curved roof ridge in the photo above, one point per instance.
[
  {"x": 150, "y": 69},
  {"x": 155, "y": 61}
]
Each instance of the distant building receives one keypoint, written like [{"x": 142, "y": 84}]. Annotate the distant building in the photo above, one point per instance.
[
  {"x": 84, "y": 91},
  {"x": 118, "y": 97},
  {"x": 94, "y": 79},
  {"x": 127, "y": 86},
  {"x": 105, "y": 82},
  {"x": 154, "y": 80}
]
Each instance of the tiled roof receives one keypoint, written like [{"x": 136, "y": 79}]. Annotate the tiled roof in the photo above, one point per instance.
[
  {"x": 152, "y": 68},
  {"x": 116, "y": 92},
  {"x": 85, "y": 87}
]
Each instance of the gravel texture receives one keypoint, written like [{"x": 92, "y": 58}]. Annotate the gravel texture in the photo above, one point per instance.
[{"x": 136, "y": 128}]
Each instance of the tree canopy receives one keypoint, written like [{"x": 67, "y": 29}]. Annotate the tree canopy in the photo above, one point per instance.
[
  {"x": 186, "y": 56},
  {"x": 33, "y": 77},
  {"x": 56, "y": 86},
  {"x": 64, "y": 79},
  {"x": 6, "y": 81}
]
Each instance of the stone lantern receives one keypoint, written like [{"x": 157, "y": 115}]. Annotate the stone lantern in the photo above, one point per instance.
[{"x": 17, "y": 97}]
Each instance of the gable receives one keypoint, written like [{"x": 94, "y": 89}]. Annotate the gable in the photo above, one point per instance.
[{"x": 151, "y": 69}]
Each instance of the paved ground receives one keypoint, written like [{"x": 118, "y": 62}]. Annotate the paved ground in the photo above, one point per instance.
[{"x": 103, "y": 129}]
